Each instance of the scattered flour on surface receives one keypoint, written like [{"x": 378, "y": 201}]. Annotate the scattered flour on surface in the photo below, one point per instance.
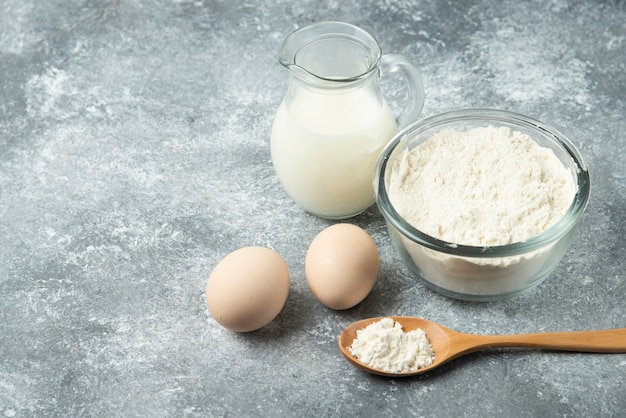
[
  {"x": 385, "y": 346},
  {"x": 485, "y": 186}
]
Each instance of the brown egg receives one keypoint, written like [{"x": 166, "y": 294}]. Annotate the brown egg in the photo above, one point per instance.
[
  {"x": 248, "y": 288},
  {"x": 342, "y": 265}
]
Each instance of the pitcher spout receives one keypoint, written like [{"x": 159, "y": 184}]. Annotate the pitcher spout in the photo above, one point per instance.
[{"x": 330, "y": 52}]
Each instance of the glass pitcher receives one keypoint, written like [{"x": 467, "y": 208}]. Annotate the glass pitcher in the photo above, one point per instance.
[{"x": 333, "y": 121}]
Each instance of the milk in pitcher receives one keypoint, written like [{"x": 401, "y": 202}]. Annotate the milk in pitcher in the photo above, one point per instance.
[
  {"x": 324, "y": 148},
  {"x": 333, "y": 122}
]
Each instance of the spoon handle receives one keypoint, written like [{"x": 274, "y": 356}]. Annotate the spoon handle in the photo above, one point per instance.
[{"x": 601, "y": 341}]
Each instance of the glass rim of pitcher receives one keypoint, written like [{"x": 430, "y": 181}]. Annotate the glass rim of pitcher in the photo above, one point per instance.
[{"x": 294, "y": 43}]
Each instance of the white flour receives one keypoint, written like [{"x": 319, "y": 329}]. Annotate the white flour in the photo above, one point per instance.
[
  {"x": 483, "y": 187},
  {"x": 385, "y": 346}
]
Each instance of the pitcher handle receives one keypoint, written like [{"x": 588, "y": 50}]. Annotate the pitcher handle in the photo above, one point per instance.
[{"x": 391, "y": 63}]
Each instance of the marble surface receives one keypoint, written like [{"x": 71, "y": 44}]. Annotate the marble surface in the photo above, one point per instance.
[{"x": 134, "y": 155}]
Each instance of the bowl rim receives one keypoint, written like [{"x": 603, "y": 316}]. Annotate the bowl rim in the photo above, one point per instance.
[{"x": 567, "y": 222}]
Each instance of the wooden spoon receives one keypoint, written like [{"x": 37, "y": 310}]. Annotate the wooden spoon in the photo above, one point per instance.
[{"x": 448, "y": 344}]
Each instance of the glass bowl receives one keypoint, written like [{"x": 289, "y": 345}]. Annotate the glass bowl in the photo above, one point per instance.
[{"x": 481, "y": 273}]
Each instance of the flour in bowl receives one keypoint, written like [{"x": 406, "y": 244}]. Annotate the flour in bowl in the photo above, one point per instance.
[{"x": 483, "y": 187}]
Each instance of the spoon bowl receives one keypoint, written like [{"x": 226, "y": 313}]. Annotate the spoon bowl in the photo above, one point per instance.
[{"x": 448, "y": 344}]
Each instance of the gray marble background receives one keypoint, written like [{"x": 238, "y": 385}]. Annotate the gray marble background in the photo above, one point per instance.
[{"x": 134, "y": 155}]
